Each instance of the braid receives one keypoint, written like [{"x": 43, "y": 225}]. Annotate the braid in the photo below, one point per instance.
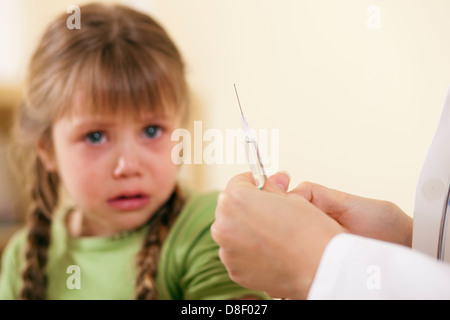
[
  {"x": 44, "y": 199},
  {"x": 147, "y": 259}
]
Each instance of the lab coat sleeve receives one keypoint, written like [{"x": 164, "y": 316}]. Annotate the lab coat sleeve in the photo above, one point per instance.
[{"x": 354, "y": 267}]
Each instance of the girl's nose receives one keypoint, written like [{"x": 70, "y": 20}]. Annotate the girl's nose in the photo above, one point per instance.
[{"x": 127, "y": 165}]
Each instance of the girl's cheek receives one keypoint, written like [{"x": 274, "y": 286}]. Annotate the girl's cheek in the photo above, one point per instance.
[
  {"x": 163, "y": 168},
  {"x": 82, "y": 170},
  {"x": 160, "y": 152}
]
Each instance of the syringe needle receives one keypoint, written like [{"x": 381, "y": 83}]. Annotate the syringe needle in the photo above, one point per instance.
[
  {"x": 237, "y": 96},
  {"x": 252, "y": 151}
]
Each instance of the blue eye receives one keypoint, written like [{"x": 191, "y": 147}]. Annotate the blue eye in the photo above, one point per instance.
[
  {"x": 95, "y": 137},
  {"x": 152, "y": 132}
]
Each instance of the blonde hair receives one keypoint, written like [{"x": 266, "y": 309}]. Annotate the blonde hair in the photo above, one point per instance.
[{"x": 122, "y": 61}]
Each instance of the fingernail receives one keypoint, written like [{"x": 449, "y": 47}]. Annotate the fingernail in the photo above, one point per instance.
[
  {"x": 286, "y": 173},
  {"x": 284, "y": 184}
]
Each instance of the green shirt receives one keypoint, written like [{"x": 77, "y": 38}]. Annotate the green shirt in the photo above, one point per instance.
[{"x": 104, "y": 267}]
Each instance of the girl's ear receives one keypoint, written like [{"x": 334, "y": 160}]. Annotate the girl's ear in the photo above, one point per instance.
[{"x": 46, "y": 155}]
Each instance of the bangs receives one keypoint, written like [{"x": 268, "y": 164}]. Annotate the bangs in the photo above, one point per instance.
[{"x": 125, "y": 81}]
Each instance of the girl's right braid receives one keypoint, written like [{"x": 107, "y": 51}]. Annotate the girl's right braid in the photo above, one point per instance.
[{"x": 44, "y": 199}]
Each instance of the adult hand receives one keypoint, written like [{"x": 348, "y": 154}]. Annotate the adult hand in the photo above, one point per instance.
[
  {"x": 271, "y": 240},
  {"x": 371, "y": 218}
]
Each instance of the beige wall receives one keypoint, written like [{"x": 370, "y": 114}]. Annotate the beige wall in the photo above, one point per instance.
[{"x": 355, "y": 107}]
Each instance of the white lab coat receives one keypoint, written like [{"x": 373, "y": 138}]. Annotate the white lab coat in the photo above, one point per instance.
[{"x": 354, "y": 267}]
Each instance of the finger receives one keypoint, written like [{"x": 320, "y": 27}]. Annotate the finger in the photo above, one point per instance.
[
  {"x": 326, "y": 199},
  {"x": 235, "y": 198},
  {"x": 306, "y": 190},
  {"x": 242, "y": 180},
  {"x": 278, "y": 183}
]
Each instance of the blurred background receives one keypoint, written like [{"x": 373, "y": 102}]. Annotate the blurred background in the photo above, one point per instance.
[{"x": 354, "y": 88}]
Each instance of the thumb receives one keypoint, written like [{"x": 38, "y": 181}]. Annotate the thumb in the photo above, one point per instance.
[
  {"x": 278, "y": 183},
  {"x": 326, "y": 199}
]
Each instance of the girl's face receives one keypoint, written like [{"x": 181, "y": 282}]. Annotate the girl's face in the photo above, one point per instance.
[{"x": 117, "y": 169}]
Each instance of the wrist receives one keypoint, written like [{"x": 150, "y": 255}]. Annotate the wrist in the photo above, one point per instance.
[{"x": 308, "y": 268}]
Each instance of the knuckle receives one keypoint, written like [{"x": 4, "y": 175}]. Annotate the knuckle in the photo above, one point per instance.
[
  {"x": 228, "y": 199},
  {"x": 234, "y": 275},
  {"x": 215, "y": 234},
  {"x": 306, "y": 185}
]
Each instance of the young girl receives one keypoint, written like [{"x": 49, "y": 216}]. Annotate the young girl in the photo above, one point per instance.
[{"x": 99, "y": 108}]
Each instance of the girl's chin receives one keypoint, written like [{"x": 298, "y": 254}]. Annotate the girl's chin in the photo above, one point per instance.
[
  {"x": 120, "y": 225},
  {"x": 109, "y": 223}
]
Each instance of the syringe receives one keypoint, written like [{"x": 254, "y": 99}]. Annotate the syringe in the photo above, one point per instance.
[{"x": 252, "y": 150}]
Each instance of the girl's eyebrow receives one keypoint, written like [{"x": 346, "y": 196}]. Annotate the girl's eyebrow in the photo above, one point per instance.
[
  {"x": 154, "y": 118},
  {"x": 88, "y": 123}
]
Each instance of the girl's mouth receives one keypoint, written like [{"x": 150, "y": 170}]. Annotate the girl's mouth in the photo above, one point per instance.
[{"x": 129, "y": 201}]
